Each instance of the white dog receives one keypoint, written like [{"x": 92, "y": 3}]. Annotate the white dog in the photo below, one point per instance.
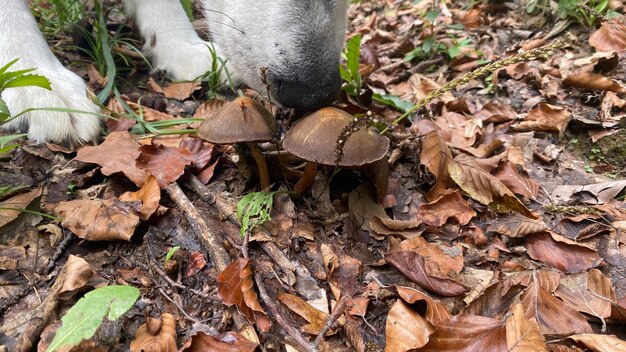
[{"x": 298, "y": 41}]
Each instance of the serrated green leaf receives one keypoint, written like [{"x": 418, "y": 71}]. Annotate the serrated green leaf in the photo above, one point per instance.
[
  {"x": 5, "y": 113},
  {"x": 5, "y": 68},
  {"x": 254, "y": 209},
  {"x": 83, "y": 319}
]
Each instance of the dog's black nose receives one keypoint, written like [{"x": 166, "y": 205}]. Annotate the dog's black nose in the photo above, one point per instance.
[{"x": 308, "y": 93}]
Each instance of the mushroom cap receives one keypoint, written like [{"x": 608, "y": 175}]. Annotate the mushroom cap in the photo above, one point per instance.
[
  {"x": 314, "y": 138},
  {"x": 241, "y": 120}
]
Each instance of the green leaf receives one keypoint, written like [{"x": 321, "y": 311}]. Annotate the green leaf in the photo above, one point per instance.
[
  {"x": 171, "y": 252},
  {"x": 393, "y": 101},
  {"x": 254, "y": 209},
  {"x": 9, "y": 138},
  {"x": 5, "y": 113},
  {"x": 29, "y": 81},
  {"x": 83, "y": 319},
  {"x": 5, "y": 68}
]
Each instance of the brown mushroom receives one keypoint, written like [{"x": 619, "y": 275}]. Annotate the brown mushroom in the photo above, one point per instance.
[
  {"x": 314, "y": 139},
  {"x": 243, "y": 120}
]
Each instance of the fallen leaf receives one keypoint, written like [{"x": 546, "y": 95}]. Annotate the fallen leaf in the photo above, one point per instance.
[
  {"x": 516, "y": 180},
  {"x": 589, "y": 292},
  {"x": 316, "y": 318},
  {"x": 149, "y": 195},
  {"x": 517, "y": 226},
  {"x": 600, "y": 343},
  {"x": 545, "y": 117},
  {"x": 450, "y": 205},
  {"x": 522, "y": 334},
  {"x": 235, "y": 286},
  {"x": 611, "y": 36},
  {"x": 224, "y": 342},
  {"x": 156, "y": 335},
  {"x": 597, "y": 193},
  {"x": 485, "y": 188},
  {"x": 167, "y": 164},
  {"x": 413, "y": 266},
  {"x": 468, "y": 333},
  {"x": 441, "y": 261},
  {"x": 561, "y": 253},
  {"x": 593, "y": 81},
  {"x": 436, "y": 156},
  {"x": 116, "y": 154},
  {"x": 10, "y": 208},
  {"x": 405, "y": 329},
  {"x": 553, "y": 316},
  {"x": 180, "y": 90},
  {"x": 98, "y": 220},
  {"x": 435, "y": 312}
]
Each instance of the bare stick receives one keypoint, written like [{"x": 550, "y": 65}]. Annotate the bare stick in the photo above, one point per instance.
[{"x": 211, "y": 241}]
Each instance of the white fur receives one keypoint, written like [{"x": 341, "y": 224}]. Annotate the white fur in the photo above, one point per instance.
[
  {"x": 170, "y": 39},
  {"x": 20, "y": 38},
  {"x": 293, "y": 38}
]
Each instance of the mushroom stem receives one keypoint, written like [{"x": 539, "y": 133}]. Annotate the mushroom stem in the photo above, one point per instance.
[
  {"x": 305, "y": 183},
  {"x": 259, "y": 159}
]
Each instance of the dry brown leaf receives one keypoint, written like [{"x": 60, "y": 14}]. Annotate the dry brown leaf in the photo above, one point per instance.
[
  {"x": 522, "y": 334},
  {"x": 404, "y": 228},
  {"x": 405, "y": 329},
  {"x": 156, "y": 335},
  {"x": 97, "y": 219},
  {"x": 180, "y": 90},
  {"x": 589, "y": 292},
  {"x": 165, "y": 163},
  {"x": 517, "y": 181},
  {"x": 600, "y": 343},
  {"x": 458, "y": 130},
  {"x": 224, "y": 342},
  {"x": 435, "y": 313},
  {"x": 610, "y": 37},
  {"x": 545, "y": 117},
  {"x": 553, "y": 316},
  {"x": 316, "y": 318},
  {"x": 362, "y": 206},
  {"x": 10, "y": 208},
  {"x": 597, "y": 193},
  {"x": 149, "y": 195},
  {"x": 413, "y": 266},
  {"x": 593, "y": 81},
  {"x": 472, "y": 18},
  {"x": 496, "y": 113},
  {"x": 9, "y": 257},
  {"x": 116, "y": 154},
  {"x": 517, "y": 226},
  {"x": 561, "y": 253},
  {"x": 235, "y": 286},
  {"x": 441, "y": 261},
  {"x": 450, "y": 205},
  {"x": 484, "y": 187},
  {"x": 78, "y": 274},
  {"x": 436, "y": 156},
  {"x": 468, "y": 333}
]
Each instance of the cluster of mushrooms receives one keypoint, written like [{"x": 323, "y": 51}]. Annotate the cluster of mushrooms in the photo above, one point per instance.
[{"x": 312, "y": 139}]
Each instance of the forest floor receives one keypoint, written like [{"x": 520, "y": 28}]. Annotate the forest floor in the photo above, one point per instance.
[{"x": 498, "y": 226}]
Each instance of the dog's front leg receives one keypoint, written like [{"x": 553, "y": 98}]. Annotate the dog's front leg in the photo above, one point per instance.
[
  {"x": 170, "y": 39},
  {"x": 21, "y": 39}
]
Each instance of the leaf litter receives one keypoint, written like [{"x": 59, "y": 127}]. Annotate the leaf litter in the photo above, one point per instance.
[{"x": 501, "y": 229}]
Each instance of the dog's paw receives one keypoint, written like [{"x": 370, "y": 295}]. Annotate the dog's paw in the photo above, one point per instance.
[
  {"x": 68, "y": 92},
  {"x": 183, "y": 60}
]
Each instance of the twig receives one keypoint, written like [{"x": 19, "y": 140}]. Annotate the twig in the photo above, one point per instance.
[
  {"x": 216, "y": 251},
  {"x": 290, "y": 329},
  {"x": 332, "y": 318},
  {"x": 180, "y": 308},
  {"x": 58, "y": 252}
]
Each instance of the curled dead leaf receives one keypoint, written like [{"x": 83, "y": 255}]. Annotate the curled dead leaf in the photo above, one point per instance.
[
  {"x": 561, "y": 253},
  {"x": 545, "y": 117},
  {"x": 156, "y": 335},
  {"x": 235, "y": 286},
  {"x": 611, "y": 36},
  {"x": 149, "y": 195},
  {"x": 405, "y": 329},
  {"x": 593, "y": 81},
  {"x": 167, "y": 164},
  {"x": 224, "y": 342}
]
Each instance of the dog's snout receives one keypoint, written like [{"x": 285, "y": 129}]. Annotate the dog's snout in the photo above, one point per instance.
[{"x": 305, "y": 94}]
